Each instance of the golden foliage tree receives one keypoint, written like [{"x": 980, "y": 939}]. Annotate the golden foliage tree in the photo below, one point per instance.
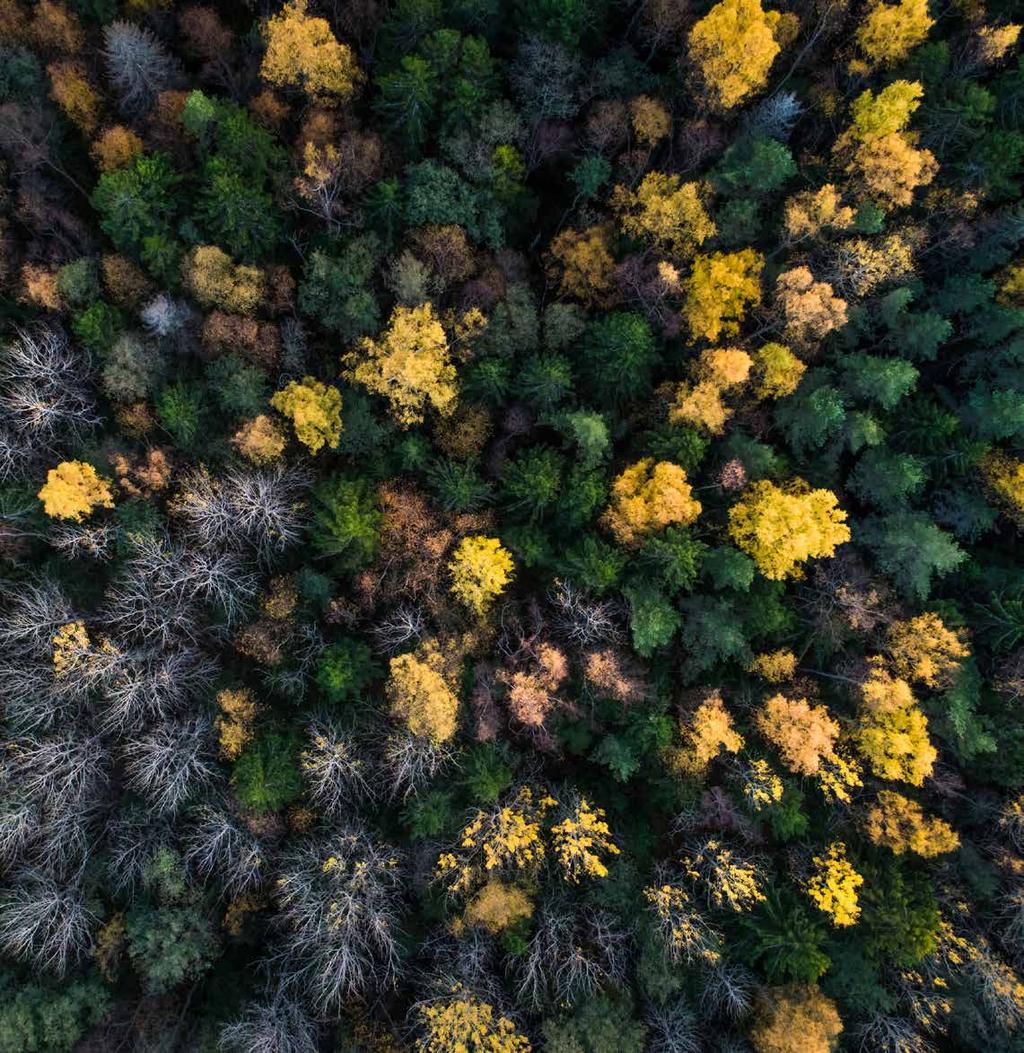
[
  {"x": 215, "y": 281},
  {"x": 481, "y": 569},
  {"x": 780, "y": 527},
  {"x": 71, "y": 91},
  {"x": 901, "y": 825},
  {"x": 116, "y": 147},
  {"x": 708, "y": 732},
  {"x": 833, "y": 886},
  {"x": 496, "y": 906},
  {"x": 889, "y": 31},
  {"x": 732, "y": 49},
  {"x": 409, "y": 365},
  {"x": 804, "y": 734},
  {"x": 1005, "y": 478},
  {"x": 925, "y": 650},
  {"x": 234, "y": 723},
  {"x": 777, "y": 371},
  {"x": 811, "y": 308},
  {"x": 462, "y": 1023},
  {"x": 795, "y": 1019},
  {"x": 582, "y": 841},
  {"x": 718, "y": 291},
  {"x": 259, "y": 440},
  {"x": 891, "y": 732},
  {"x": 647, "y": 497},
  {"x": 419, "y": 693},
  {"x": 302, "y": 52},
  {"x": 314, "y": 408},
  {"x": 581, "y": 262},
  {"x": 73, "y": 489},
  {"x": 810, "y": 212},
  {"x": 666, "y": 211},
  {"x": 701, "y": 402}
]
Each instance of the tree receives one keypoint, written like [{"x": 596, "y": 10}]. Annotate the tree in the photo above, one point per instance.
[
  {"x": 777, "y": 371},
  {"x": 901, "y": 825},
  {"x": 73, "y": 490},
  {"x": 1005, "y": 477},
  {"x": 804, "y": 735},
  {"x": 732, "y": 49},
  {"x": 137, "y": 203},
  {"x": 889, "y": 31},
  {"x": 462, "y": 1021},
  {"x": 616, "y": 355},
  {"x": 302, "y": 52},
  {"x": 409, "y": 365},
  {"x": 666, "y": 211},
  {"x": 796, "y": 1019},
  {"x": 781, "y": 527},
  {"x": 911, "y": 549},
  {"x": 926, "y": 650},
  {"x": 481, "y": 570},
  {"x": 138, "y": 66},
  {"x": 810, "y": 308},
  {"x": 705, "y": 735},
  {"x": 314, "y": 409},
  {"x": 647, "y": 497},
  {"x": 419, "y": 694},
  {"x": 833, "y": 886},
  {"x": 719, "y": 290},
  {"x": 582, "y": 841},
  {"x": 217, "y": 282},
  {"x": 582, "y": 263},
  {"x": 891, "y": 732},
  {"x": 347, "y": 522}
]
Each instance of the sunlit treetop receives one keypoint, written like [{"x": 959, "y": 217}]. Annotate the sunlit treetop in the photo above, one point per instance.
[
  {"x": 924, "y": 649},
  {"x": 647, "y": 497},
  {"x": 666, "y": 211},
  {"x": 481, "y": 570},
  {"x": 462, "y": 1023},
  {"x": 833, "y": 886},
  {"x": 302, "y": 52},
  {"x": 73, "y": 490},
  {"x": 314, "y": 409},
  {"x": 888, "y": 32}
]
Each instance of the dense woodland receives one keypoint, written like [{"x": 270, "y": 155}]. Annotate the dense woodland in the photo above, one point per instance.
[{"x": 510, "y": 526}]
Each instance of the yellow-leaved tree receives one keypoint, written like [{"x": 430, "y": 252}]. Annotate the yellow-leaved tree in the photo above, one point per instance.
[
  {"x": 302, "y": 52},
  {"x": 314, "y": 409},
  {"x": 462, "y": 1023},
  {"x": 925, "y": 650},
  {"x": 795, "y": 1019},
  {"x": 481, "y": 568},
  {"x": 701, "y": 402},
  {"x": 73, "y": 489},
  {"x": 582, "y": 841},
  {"x": 419, "y": 693},
  {"x": 891, "y": 732},
  {"x": 878, "y": 153},
  {"x": 705, "y": 734},
  {"x": 901, "y": 825},
  {"x": 1005, "y": 478},
  {"x": 215, "y": 281},
  {"x": 409, "y": 365},
  {"x": 666, "y": 211},
  {"x": 718, "y": 291},
  {"x": 731, "y": 50},
  {"x": 804, "y": 735},
  {"x": 647, "y": 497},
  {"x": 780, "y": 527},
  {"x": 777, "y": 371},
  {"x": 889, "y": 31},
  {"x": 496, "y": 906},
  {"x": 581, "y": 262},
  {"x": 833, "y": 885}
]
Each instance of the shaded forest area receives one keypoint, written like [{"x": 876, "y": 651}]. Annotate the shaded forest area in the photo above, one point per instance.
[{"x": 510, "y": 526}]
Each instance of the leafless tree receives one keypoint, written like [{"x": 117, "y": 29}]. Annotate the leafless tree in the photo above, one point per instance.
[
  {"x": 88, "y": 541},
  {"x": 277, "y": 1024},
  {"x": 219, "y": 847},
  {"x": 728, "y": 991},
  {"x": 335, "y": 768},
  {"x": 410, "y": 761},
  {"x": 582, "y": 620},
  {"x": 138, "y": 66},
  {"x": 44, "y": 923},
  {"x": 672, "y": 1028},
  {"x": 404, "y": 625},
  {"x": 133, "y": 841},
  {"x": 890, "y": 1034},
  {"x": 170, "y": 763},
  {"x": 571, "y": 955},
  {"x": 163, "y": 316},
  {"x": 31, "y": 613},
  {"x": 338, "y": 903}
]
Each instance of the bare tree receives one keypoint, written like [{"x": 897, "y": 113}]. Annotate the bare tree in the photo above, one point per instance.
[
  {"x": 277, "y": 1024},
  {"x": 584, "y": 621},
  {"x": 335, "y": 769},
  {"x": 728, "y": 991},
  {"x": 673, "y": 1028},
  {"x": 410, "y": 761},
  {"x": 217, "y": 846},
  {"x": 170, "y": 763},
  {"x": 44, "y": 923},
  {"x": 32, "y": 613},
  {"x": 138, "y": 66},
  {"x": 338, "y": 904}
]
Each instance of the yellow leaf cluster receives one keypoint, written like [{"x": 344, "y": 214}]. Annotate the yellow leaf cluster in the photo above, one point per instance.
[
  {"x": 901, "y": 825},
  {"x": 687, "y": 935},
  {"x": 580, "y": 841},
  {"x": 581, "y": 262},
  {"x": 234, "y": 724},
  {"x": 891, "y": 732},
  {"x": 1005, "y": 478},
  {"x": 481, "y": 570},
  {"x": 116, "y": 147},
  {"x": 650, "y": 119},
  {"x": 701, "y": 403},
  {"x": 314, "y": 409},
  {"x": 780, "y": 527},
  {"x": 889, "y": 31},
  {"x": 803, "y": 734},
  {"x": 727, "y": 879},
  {"x": 497, "y": 906},
  {"x": 719, "y": 290},
  {"x": 923, "y": 649},
  {"x": 866, "y": 265},
  {"x": 259, "y": 440},
  {"x": 409, "y": 365},
  {"x": 302, "y": 52},
  {"x": 777, "y": 371},
  {"x": 70, "y": 646},
  {"x": 71, "y": 91},
  {"x": 796, "y": 1019},
  {"x": 419, "y": 693},
  {"x": 732, "y": 49},
  {"x": 761, "y": 785},
  {"x": 833, "y": 886},
  {"x": 73, "y": 489},
  {"x": 705, "y": 735},
  {"x": 666, "y": 211},
  {"x": 811, "y": 308},
  {"x": 809, "y": 212},
  {"x": 774, "y": 666},
  {"x": 648, "y": 497},
  {"x": 217, "y": 282},
  {"x": 464, "y": 1024},
  {"x": 995, "y": 42}
]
